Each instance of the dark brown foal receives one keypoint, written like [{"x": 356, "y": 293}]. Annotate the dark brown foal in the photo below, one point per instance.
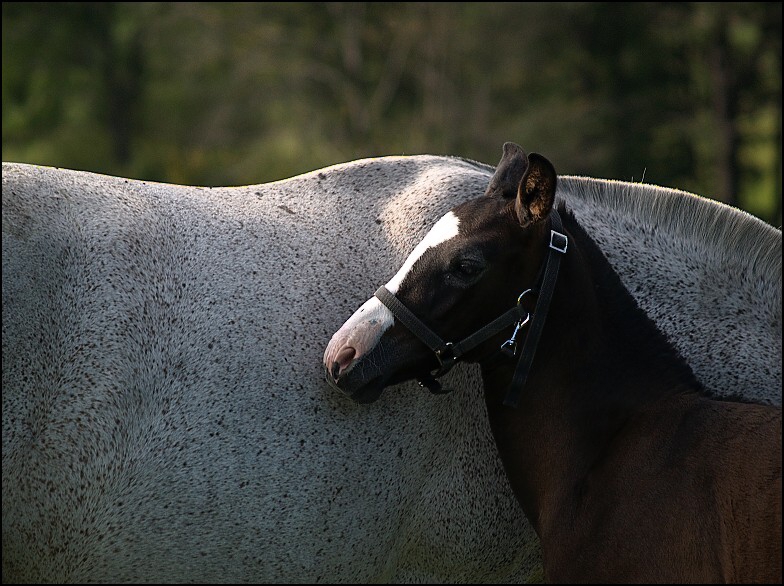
[{"x": 627, "y": 472}]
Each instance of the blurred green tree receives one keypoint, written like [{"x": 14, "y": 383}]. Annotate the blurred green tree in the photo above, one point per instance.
[{"x": 686, "y": 95}]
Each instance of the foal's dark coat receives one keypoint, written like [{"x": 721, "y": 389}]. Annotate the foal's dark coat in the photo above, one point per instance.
[{"x": 625, "y": 470}]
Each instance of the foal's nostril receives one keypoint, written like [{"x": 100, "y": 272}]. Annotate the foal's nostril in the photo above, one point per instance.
[
  {"x": 344, "y": 358},
  {"x": 335, "y": 371}
]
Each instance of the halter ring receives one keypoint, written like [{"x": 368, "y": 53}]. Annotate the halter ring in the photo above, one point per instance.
[{"x": 523, "y": 294}]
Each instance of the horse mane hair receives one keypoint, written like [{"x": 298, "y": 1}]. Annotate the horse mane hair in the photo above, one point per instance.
[{"x": 692, "y": 217}]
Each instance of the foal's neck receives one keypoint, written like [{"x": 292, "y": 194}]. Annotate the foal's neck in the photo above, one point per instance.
[{"x": 600, "y": 363}]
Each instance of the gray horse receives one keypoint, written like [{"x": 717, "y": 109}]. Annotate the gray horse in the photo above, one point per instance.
[{"x": 165, "y": 415}]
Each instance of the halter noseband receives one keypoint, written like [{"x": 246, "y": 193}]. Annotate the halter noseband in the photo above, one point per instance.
[{"x": 448, "y": 353}]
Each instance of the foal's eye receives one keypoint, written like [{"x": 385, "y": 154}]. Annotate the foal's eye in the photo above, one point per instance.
[{"x": 468, "y": 268}]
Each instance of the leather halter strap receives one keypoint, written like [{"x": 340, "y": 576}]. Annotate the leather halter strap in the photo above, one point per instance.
[
  {"x": 449, "y": 353},
  {"x": 558, "y": 245}
]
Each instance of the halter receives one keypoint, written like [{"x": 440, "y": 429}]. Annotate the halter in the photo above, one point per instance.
[{"x": 449, "y": 353}]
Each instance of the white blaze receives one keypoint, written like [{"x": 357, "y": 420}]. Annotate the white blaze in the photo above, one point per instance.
[
  {"x": 446, "y": 228},
  {"x": 364, "y": 329}
]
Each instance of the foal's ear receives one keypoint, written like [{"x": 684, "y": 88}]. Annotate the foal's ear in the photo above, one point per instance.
[
  {"x": 536, "y": 192},
  {"x": 509, "y": 172}
]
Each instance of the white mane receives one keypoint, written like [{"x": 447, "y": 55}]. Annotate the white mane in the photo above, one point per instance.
[{"x": 737, "y": 235}]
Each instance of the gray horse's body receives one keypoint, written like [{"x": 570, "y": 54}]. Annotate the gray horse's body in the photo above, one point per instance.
[{"x": 164, "y": 411}]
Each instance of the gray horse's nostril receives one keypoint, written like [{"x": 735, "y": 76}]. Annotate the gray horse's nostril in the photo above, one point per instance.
[{"x": 335, "y": 370}]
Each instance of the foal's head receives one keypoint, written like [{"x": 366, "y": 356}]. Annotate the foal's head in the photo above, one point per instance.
[{"x": 470, "y": 268}]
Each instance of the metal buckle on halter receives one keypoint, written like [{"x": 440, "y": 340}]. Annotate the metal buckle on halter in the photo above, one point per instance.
[
  {"x": 562, "y": 241},
  {"x": 446, "y": 358},
  {"x": 510, "y": 346}
]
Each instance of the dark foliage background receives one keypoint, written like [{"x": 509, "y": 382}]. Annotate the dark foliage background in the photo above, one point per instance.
[{"x": 680, "y": 94}]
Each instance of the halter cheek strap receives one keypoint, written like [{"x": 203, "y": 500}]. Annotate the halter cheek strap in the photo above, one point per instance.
[
  {"x": 448, "y": 353},
  {"x": 558, "y": 245}
]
